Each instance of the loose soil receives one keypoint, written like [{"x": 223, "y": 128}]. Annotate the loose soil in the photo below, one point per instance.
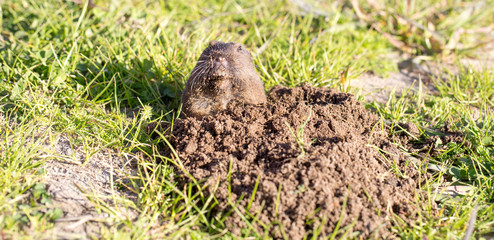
[{"x": 322, "y": 159}]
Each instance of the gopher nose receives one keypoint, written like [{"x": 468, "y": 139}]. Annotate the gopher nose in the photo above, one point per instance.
[{"x": 222, "y": 61}]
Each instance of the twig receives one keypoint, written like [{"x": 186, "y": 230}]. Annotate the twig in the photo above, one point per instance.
[{"x": 471, "y": 223}]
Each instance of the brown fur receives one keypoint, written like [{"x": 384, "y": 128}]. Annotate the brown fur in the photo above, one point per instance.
[{"x": 224, "y": 72}]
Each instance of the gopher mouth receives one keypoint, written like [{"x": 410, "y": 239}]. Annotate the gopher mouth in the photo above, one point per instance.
[
  {"x": 218, "y": 73},
  {"x": 220, "y": 82}
]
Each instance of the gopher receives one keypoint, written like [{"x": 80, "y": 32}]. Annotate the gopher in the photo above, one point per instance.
[{"x": 224, "y": 72}]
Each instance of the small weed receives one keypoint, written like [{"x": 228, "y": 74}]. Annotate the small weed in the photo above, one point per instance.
[{"x": 299, "y": 135}]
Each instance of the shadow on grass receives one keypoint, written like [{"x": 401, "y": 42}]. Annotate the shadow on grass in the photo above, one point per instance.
[{"x": 132, "y": 84}]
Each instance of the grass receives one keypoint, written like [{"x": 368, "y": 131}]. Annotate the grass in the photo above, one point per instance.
[
  {"x": 428, "y": 27},
  {"x": 97, "y": 74},
  {"x": 466, "y": 165}
]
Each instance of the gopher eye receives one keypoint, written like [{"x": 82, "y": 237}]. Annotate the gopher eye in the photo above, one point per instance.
[{"x": 239, "y": 48}]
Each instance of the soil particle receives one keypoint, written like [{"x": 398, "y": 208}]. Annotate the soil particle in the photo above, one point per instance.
[{"x": 315, "y": 152}]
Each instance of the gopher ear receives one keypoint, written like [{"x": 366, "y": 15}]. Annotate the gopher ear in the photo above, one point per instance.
[{"x": 214, "y": 42}]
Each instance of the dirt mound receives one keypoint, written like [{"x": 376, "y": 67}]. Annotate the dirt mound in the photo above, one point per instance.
[{"x": 315, "y": 151}]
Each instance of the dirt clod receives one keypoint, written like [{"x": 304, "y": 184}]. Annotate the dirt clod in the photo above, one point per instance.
[{"x": 317, "y": 154}]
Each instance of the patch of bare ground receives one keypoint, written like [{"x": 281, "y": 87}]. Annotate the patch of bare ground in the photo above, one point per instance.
[
  {"x": 410, "y": 77},
  {"x": 418, "y": 70},
  {"x": 72, "y": 178}
]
